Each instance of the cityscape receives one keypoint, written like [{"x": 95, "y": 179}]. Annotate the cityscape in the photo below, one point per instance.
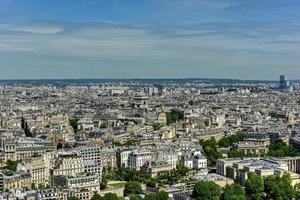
[
  {"x": 136, "y": 139},
  {"x": 149, "y": 100}
]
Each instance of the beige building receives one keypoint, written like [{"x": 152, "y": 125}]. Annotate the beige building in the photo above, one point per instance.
[
  {"x": 13, "y": 180},
  {"x": 36, "y": 166},
  {"x": 157, "y": 167},
  {"x": 68, "y": 165}
]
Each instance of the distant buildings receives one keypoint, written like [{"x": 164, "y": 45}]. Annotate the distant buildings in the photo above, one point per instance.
[{"x": 284, "y": 84}]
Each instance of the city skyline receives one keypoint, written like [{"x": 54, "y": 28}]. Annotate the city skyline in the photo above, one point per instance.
[{"x": 250, "y": 40}]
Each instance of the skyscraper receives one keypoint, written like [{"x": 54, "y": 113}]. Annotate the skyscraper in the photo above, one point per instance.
[{"x": 283, "y": 83}]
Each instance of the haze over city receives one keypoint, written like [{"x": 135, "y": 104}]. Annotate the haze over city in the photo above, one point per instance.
[{"x": 245, "y": 39}]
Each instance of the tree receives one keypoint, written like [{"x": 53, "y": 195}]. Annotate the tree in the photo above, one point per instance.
[
  {"x": 151, "y": 183},
  {"x": 156, "y": 127},
  {"x": 12, "y": 165},
  {"x": 162, "y": 195},
  {"x": 280, "y": 149},
  {"x": 97, "y": 196},
  {"x": 157, "y": 196},
  {"x": 73, "y": 198},
  {"x": 240, "y": 154},
  {"x": 210, "y": 150},
  {"x": 254, "y": 186},
  {"x": 132, "y": 187},
  {"x": 110, "y": 196},
  {"x": 234, "y": 191},
  {"x": 206, "y": 190},
  {"x": 74, "y": 124},
  {"x": 174, "y": 116},
  {"x": 280, "y": 187},
  {"x": 227, "y": 141},
  {"x": 135, "y": 197}
]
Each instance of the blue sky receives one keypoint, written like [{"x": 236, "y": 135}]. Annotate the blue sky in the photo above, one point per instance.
[{"x": 246, "y": 39}]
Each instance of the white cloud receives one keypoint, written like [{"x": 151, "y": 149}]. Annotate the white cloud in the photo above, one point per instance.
[{"x": 36, "y": 29}]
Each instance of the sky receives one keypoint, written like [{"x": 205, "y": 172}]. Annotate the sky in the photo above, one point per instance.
[{"x": 244, "y": 39}]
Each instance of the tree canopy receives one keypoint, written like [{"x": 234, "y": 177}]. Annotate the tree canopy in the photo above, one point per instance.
[
  {"x": 278, "y": 148},
  {"x": 12, "y": 165},
  {"x": 157, "y": 196},
  {"x": 227, "y": 141},
  {"x": 254, "y": 186},
  {"x": 279, "y": 188},
  {"x": 132, "y": 187},
  {"x": 73, "y": 198},
  {"x": 74, "y": 124},
  {"x": 210, "y": 150},
  {"x": 234, "y": 191},
  {"x": 206, "y": 190},
  {"x": 110, "y": 196},
  {"x": 97, "y": 196}
]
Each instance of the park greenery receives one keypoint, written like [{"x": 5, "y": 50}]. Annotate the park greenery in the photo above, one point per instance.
[
  {"x": 278, "y": 148},
  {"x": 255, "y": 188},
  {"x": 12, "y": 165},
  {"x": 228, "y": 141},
  {"x": 234, "y": 192},
  {"x": 73, "y": 198},
  {"x": 107, "y": 196},
  {"x": 174, "y": 116},
  {"x": 111, "y": 196},
  {"x": 74, "y": 124},
  {"x": 240, "y": 154},
  {"x": 210, "y": 150},
  {"x": 128, "y": 175},
  {"x": 132, "y": 188},
  {"x": 206, "y": 190}
]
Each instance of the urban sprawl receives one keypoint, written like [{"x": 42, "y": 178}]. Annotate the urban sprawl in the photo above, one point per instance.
[{"x": 135, "y": 140}]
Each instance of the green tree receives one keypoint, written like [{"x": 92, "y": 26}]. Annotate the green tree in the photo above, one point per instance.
[
  {"x": 210, "y": 150},
  {"x": 73, "y": 198},
  {"x": 135, "y": 197},
  {"x": 110, "y": 196},
  {"x": 278, "y": 148},
  {"x": 151, "y": 183},
  {"x": 240, "y": 154},
  {"x": 206, "y": 190},
  {"x": 156, "y": 127},
  {"x": 174, "y": 116},
  {"x": 74, "y": 124},
  {"x": 234, "y": 191},
  {"x": 162, "y": 195},
  {"x": 157, "y": 196},
  {"x": 97, "y": 196},
  {"x": 12, "y": 165},
  {"x": 132, "y": 187},
  {"x": 227, "y": 141},
  {"x": 280, "y": 187},
  {"x": 254, "y": 186}
]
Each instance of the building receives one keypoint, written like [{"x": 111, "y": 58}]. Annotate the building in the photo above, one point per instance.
[
  {"x": 157, "y": 167},
  {"x": 239, "y": 169},
  {"x": 11, "y": 180},
  {"x": 250, "y": 148},
  {"x": 137, "y": 159},
  {"x": 37, "y": 168},
  {"x": 68, "y": 165}
]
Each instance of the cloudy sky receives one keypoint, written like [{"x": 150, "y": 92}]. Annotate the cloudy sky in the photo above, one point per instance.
[{"x": 246, "y": 39}]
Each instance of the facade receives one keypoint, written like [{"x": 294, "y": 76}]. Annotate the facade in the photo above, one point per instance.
[
  {"x": 251, "y": 147},
  {"x": 137, "y": 159},
  {"x": 37, "y": 168},
  {"x": 11, "y": 180},
  {"x": 68, "y": 165},
  {"x": 240, "y": 168}
]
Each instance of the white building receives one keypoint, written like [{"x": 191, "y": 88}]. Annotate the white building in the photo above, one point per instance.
[{"x": 137, "y": 159}]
